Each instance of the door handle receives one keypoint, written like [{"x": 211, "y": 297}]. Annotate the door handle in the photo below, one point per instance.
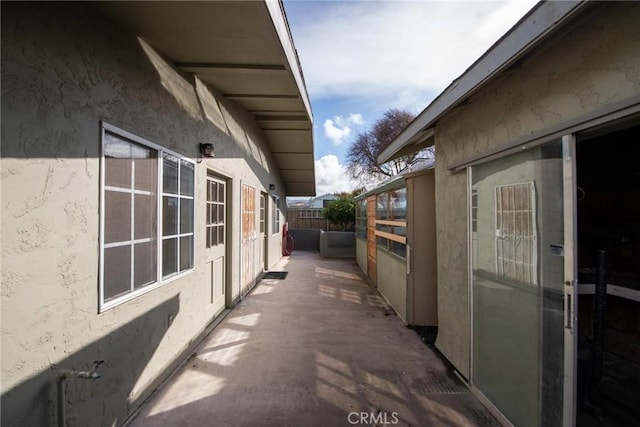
[
  {"x": 568, "y": 308},
  {"x": 569, "y": 303}
]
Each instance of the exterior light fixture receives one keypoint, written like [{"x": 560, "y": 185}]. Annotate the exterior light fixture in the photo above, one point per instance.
[
  {"x": 272, "y": 187},
  {"x": 206, "y": 150}
]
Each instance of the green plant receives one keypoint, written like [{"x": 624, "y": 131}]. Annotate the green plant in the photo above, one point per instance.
[{"x": 341, "y": 212}]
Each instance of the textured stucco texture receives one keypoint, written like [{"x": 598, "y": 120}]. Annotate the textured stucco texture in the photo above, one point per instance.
[
  {"x": 66, "y": 68},
  {"x": 593, "y": 64}
]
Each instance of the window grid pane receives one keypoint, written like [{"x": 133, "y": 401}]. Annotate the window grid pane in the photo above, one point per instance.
[
  {"x": 263, "y": 203},
  {"x": 130, "y": 212},
  {"x": 215, "y": 212},
  {"x": 117, "y": 271},
  {"x": 131, "y": 216},
  {"x": 169, "y": 256},
  {"x": 177, "y": 215},
  {"x": 275, "y": 215},
  {"x": 390, "y": 206},
  {"x": 169, "y": 174}
]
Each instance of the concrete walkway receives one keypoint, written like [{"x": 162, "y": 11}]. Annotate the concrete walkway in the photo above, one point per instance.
[{"x": 319, "y": 348}]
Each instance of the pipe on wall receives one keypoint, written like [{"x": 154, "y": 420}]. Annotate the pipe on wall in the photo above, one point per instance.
[{"x": 61, "y": 383}]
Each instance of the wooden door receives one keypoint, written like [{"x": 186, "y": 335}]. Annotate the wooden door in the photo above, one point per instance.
[{"x": 249, "y": 238}]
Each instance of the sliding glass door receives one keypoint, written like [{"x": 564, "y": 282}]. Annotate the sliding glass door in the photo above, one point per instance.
[{"x": 519, "y": 244}]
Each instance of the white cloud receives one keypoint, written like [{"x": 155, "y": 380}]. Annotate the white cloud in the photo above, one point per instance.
[
  {"x": 339, "y": 129},
  {"x": 336, "y": 134},
  {"x": 331, "y": 176},
  {"x": 372, "y": 49}
]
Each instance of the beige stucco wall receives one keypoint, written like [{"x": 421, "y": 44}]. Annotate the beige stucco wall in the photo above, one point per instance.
[
  {"x": 361, "y": 254},
  {"x": 592, "y": 66},
  {"x": 392, "y": 281},
  {"x": 64, "y": 69}
]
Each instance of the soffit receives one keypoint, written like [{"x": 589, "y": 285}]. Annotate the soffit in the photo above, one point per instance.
[{"x": 244, "y": 50}]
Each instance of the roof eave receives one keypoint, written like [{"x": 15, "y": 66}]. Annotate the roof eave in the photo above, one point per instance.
[
  {"x": 542, "y": 20},
  {"x": 221, "y": 43}
]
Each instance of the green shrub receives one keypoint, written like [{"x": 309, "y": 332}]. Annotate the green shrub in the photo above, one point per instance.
[{"x": 341, "y": 212}]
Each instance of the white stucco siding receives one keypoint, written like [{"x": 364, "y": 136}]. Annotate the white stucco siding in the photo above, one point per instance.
[
  {"x": 586, "y": 69},
  {"x": 65, "y": 68}
]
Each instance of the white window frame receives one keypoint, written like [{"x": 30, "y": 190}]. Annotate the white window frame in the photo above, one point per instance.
[
  {"x": 275, "y": 214},
  {"x": 263, "y": 213},
  {"x": 221, "y": 222},
  {"x": 106, "y": 305},
  {"x": 179, "y": 196}
]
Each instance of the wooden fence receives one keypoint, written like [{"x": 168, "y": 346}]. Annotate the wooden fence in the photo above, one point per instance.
[{"x": 308, "y": 219}]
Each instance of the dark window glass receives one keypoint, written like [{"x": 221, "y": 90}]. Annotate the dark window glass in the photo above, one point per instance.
[
  {"x": 186, "y": 178},
  {"x": 117, "y": 172},
  {"x": 145, "y": 264},
  {"x": 186, "y": 216},
  {"x": 169, "y": 256},
  {"x": 186, "y": 252},
  {"x": 144, "y": 216},
  {"x": 399, "y": 248},
  {"x": 220, "y": 234},
  {"x": 117, "y": 271},
  {"x": 117, "y": 216},
  {"x": 220, "y": 214},
  {"x": 146, "y": 171},
  {"x": 170, "y": 174},
  {"x": 170, "y": 216},
  {"x": 117, "y": 158}
]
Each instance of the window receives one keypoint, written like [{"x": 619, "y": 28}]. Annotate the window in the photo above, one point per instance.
[
  {"x": 361, "y": 218},
  {"x": 391, "y": 221},
  {"x": 146, "y": 192},
  {"x": 516, "y": 232},
  {"x": 177, "y": 212},
  {"x": 215, "y": 212},
  {"x": 275, "y": 215},
  {"x": 263, "y": 213},
  {"x": 474, "y": 211}
]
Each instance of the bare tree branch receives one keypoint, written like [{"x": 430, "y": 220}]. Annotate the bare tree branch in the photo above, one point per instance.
[{"x": 362, "y": 157}]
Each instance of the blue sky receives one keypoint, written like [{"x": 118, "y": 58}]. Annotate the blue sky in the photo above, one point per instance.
[{"x": 360, "y": 58}]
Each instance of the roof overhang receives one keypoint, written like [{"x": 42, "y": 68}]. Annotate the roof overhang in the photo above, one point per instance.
[
  {"x": 244, "y": 50},
  {"x": 541, "y": 21}
]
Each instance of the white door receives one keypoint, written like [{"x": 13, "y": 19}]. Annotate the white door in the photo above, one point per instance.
[{"x": 215, "y": 253}]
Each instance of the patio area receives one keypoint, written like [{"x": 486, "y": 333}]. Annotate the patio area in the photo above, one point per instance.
[{"x": 319, "y": 348}]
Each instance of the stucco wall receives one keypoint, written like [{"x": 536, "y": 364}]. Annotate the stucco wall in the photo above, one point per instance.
[
  {"x": 392, "y": 281},
  {"x": 588, "y": 68},
  {"x": 337, "y": 244},
  {"x": 64, "y": 69},
  {"x": 305, "y": 239},
  {"x": 361, "y": 254}
]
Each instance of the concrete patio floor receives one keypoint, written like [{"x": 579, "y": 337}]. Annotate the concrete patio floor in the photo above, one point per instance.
[{"x": 316, "y": 349}]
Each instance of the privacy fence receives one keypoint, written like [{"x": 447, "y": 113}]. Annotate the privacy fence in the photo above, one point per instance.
[{"x": 309, "y": 219}]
